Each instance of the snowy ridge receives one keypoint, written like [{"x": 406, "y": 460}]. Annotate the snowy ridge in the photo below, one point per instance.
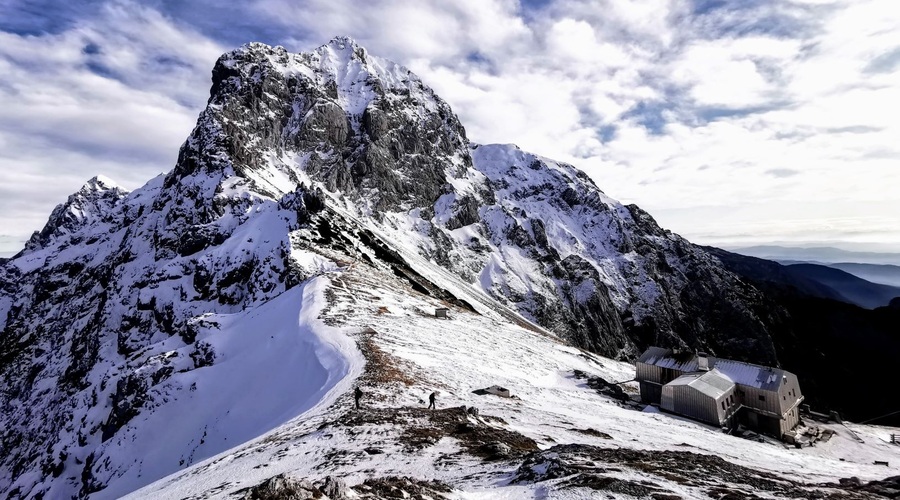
[
  {"x": 145, "y": 353},
  {"x": 277, "y": 360}
]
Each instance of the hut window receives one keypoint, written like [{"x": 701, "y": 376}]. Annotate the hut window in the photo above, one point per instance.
[
  {"x": 723, "y": 405},
  {"x": 762, "y": 398}
]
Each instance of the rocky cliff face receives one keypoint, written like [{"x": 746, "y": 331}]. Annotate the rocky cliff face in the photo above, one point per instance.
[
  {"x": 535, "y": 234},
  {"x": 92, "y": 310}
]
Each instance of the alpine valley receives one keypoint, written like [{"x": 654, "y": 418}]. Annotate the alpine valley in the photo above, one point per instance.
[{"x": 200, "y": 336}]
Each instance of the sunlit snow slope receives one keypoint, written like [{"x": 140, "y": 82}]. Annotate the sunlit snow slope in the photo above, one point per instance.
[
  {"x": 274, "y": 363},
  {"x": 550, "y": 405}
]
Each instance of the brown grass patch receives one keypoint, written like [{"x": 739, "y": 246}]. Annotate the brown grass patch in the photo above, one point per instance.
[
  {"x": 422, "y": 428},
  {"x": 593, "y": 432},
  {"x": 383, "y": 367}
]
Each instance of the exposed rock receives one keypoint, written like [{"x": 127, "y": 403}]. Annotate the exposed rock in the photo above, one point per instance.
[
  {"x": 885, "y": 488},
  {"x": 282, "y": 487},
  {"x": 593, "y": 432},
  {"x": 335, "y": 488},
  {"x": 402, "y": 488},
  {"x": 495, "y": 450},
  {"x": 600, "y": 385},
  {"x": 585, "y": 466}
]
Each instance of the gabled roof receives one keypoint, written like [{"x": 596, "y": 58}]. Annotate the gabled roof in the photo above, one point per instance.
[
  {"x": 761, "y": 377},
  {"x": 667, "y": 358},
  {"x": 712, "y": 383},
  {"x": 742, "y": 373}
]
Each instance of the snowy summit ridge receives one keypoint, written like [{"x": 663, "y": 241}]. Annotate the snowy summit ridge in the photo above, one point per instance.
[{"x": 142, "y": 333}]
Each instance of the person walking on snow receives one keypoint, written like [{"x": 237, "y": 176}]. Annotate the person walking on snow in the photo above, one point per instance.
[
  {"x": 357, "y": 393},
  {"x": 431, "y": 401}
]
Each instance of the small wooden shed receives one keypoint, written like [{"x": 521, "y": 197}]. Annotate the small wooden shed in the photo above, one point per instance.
[{"x": 442, "y": 312}]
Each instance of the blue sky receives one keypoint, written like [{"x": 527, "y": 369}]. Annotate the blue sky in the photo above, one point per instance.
[{"x": 732, "y": 122}]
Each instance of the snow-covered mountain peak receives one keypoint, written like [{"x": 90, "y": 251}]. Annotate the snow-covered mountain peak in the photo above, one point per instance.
[
  {"x": 100, "y": 183},
  {"x": 93, "y": 202},
  {"x": 343, "y": 41},
  {"x": 352, "y": 75}
]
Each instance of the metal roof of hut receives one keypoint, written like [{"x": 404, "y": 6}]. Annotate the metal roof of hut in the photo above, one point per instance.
[
  {"x": 712, "y": 383},
  {"x": 667, "y": 358}
]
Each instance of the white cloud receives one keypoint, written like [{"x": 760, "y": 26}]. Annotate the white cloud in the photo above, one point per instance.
[
  {"x": 690, "y": 114},
  {"x": 731, "y": 73},
  {"x": 115, "y": 95}
]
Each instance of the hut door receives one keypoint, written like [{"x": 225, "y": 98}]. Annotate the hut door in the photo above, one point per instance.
[{"x": 752, "y": 421}]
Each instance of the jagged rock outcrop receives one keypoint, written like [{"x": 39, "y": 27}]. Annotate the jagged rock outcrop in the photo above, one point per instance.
[
  {"x": 120, "y": 291},
  {"x": 95, "y": 201}
]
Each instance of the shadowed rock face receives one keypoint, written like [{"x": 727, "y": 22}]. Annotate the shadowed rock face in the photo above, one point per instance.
[{"x": 283, "y": 138}]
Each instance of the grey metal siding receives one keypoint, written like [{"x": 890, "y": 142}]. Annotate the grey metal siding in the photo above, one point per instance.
[
  {"x": 750, "y": 397},
  {"x": 649, "y": 377},
  {"x": 667, "y": 398},
  {"x": 791, "y": 419},
  {"x": 789, "y": 392},
  {"x": 644, "y": 371},
  {"x": 692, "y": 403}
]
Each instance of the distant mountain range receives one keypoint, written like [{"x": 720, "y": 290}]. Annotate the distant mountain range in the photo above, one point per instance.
[
  {"x": 854, "y": 289},
  {"x": 825, "y": 255},
  {"x": 824, "y": 281},
  {"x": 885, "y": 274}
]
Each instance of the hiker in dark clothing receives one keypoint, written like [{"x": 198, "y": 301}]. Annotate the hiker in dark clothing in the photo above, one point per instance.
[
  {"x": 356, "y": 395},
  {"x": 431, "y": 401}
]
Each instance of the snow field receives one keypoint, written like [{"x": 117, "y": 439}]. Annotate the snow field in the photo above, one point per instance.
[
  {"x": 274, "y": 363},
  {"x": 471, "y": 351}
]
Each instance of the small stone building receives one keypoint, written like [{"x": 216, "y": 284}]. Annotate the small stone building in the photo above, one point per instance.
[
  {"x": 759, "y": 397},
  {"x": 499, "y": 391}
]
